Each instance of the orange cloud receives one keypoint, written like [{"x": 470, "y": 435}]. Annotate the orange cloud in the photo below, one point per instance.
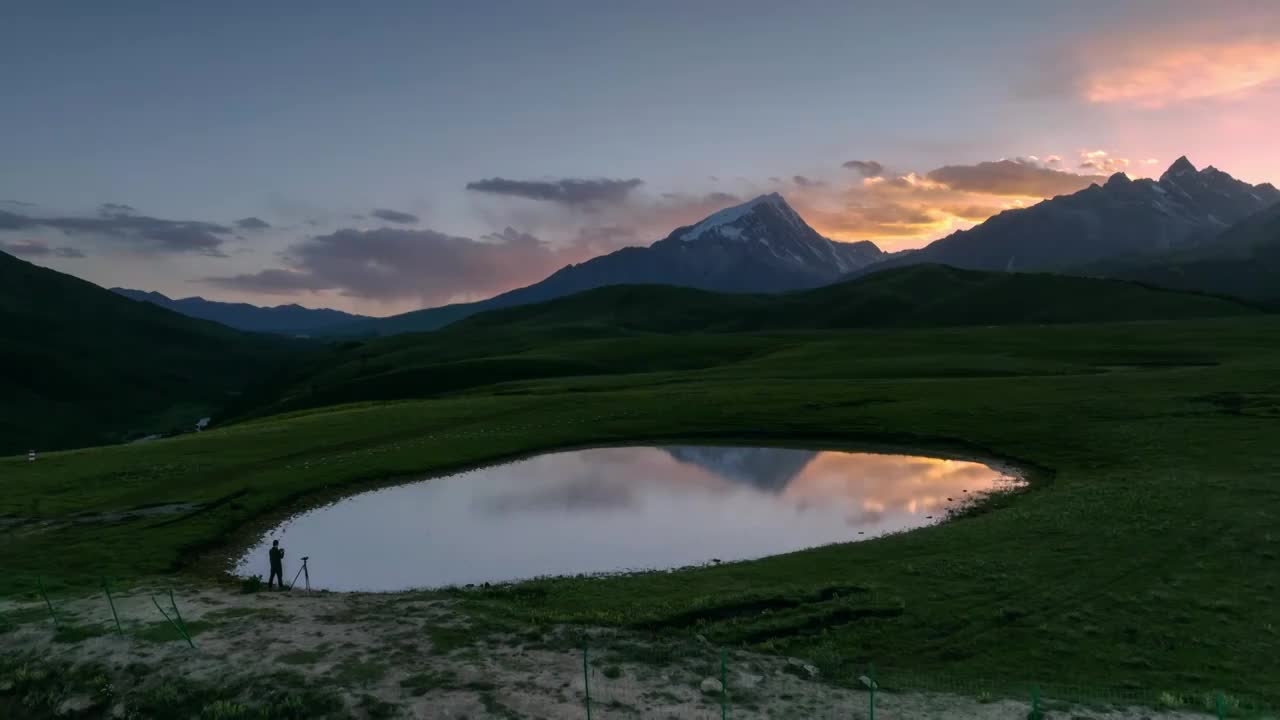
[
  {"x": 1160, "y": 76},
  {"x": 905, "y": 210},
  {"x": 1102, "y": 161}
]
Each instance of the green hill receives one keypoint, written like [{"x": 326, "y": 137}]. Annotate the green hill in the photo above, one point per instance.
[
  {"x": 81, "y": 365},
  {"x": 650, "y": 328},
  {"x": 914, "y": 296}
]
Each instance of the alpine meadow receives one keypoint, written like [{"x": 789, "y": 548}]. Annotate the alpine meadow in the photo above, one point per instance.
[{"x": 655, "y": 362}]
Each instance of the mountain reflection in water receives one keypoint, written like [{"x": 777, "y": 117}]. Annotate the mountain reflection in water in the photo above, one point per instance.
[{"x": 612, "y": 509}]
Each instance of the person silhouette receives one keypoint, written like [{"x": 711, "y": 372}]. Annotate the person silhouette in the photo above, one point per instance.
[{"x": 276, "y": 555}]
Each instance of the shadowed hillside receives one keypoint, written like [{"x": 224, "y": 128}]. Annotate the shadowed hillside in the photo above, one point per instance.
[
  {"x": 81, "y": 365},
  {"x": 1244, "y": 262},
  {"x": 916, "y": 296}
]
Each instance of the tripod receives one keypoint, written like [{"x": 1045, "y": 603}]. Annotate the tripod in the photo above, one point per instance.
[{"x": 305, "y": 573}]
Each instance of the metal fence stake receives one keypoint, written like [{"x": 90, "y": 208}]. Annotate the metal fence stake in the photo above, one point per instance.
[
  {"x": 871, "y": 675},
  {"x": 45, "y": 595},
  {"x": 106, "y": 586},
  {"x": 724, "y": 686},
  {"x": 586, "y": 680}
]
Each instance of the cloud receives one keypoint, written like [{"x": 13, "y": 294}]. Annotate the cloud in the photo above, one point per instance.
[
  {"x": 36, "y": 248},
  {"x": 976, "y": 213},
  {"x": 112, "y": 210},
  {"x": 1020, "y": 177},
  {"x": 569, "y": 191},
  {"x": 140, "y": 231},
  {"x": 388, "y": 264},
  {"x": 1160, "y": 76},
  {"x": 722, "y": 199},
  {"x": 868, "y": 168},
  {"x": 252, "y": 223},
  {"x": 395, "y": 216},
  {"x": 803, "y": 181},
  {"x": 907, "y": 209},
  {"x": 1102, "y": 162}
]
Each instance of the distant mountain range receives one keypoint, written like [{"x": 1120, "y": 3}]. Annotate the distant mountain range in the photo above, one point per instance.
[
  {"x": 284, "y": 319},
  {"x": 761, "y": 246},
  {"x": 1191, "y": 229},
  {"x": 1135, "y": 218}
]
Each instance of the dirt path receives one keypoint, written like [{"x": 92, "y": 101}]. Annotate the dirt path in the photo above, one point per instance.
[{"x": 403, "y": 655}]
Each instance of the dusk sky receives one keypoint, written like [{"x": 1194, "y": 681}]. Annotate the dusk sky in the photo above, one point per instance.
[{"x": 403, "y": 155}]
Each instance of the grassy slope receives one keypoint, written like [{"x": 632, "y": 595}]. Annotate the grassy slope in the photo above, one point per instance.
[
  {"x": 916, "y": 296},
  {"x": 1147, "y": 555},
  {"x": 593, "y": 333},
  {"x": 80, "y": 365}
]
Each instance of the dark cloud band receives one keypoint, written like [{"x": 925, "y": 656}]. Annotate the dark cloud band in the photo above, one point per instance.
[
  {"x": 868, "y": 168},
  {"x": 569, "y": 191},
  {"x": 395, "y": 216},
  {"x": 1012, "y": 177},
  {"x": 35, "y": 248},
  {"x": 177, "y": 236}
]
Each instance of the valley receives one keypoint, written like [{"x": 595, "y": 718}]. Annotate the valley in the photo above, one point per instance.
[
  {"x": 745, "y": 441},
  {"x": 1161, "y": 525}
]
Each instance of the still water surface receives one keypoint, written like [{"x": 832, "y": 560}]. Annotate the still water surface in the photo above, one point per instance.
[{"x": 616, "y": 509}]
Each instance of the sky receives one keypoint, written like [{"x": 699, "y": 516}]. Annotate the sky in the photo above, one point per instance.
[{"x": 398, "y": 155}]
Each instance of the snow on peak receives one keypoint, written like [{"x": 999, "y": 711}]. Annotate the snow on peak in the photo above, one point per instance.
[{"x": 729, "y": 215}]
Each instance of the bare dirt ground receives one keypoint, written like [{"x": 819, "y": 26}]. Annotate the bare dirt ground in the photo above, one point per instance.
[{"x": 416, "y": 656}]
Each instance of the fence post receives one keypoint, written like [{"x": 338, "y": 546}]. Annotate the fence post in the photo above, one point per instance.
[
  {"x": 45, "y": 595},
  {"x": 1222, "y": 709},
  {"x": 586, "y": 679},
  {"x": 724, "y": 686},
  {"x": 106, "y": 585},
  {"x": 175, "y": 623},
  {"x": 181, "y": 623},
  {"x": 1036, "y": 713},
  {"x": 871, "y": 690}
]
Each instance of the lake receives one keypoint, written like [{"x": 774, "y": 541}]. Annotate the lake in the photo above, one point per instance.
[{"x": 616, "y": 509}]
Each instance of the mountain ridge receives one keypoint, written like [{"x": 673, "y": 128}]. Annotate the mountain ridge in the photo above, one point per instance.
[
  {"x": 287, "y": 319},
  {"x": 762, "y": 245},
  {"x": 1184, "y": 207}
]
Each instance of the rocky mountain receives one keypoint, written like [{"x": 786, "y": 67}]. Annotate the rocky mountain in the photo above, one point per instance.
[
  {"x": 283, "y": 319},
  {"x": 759, "y": 246},
  {"x": 1243, "y": 261},
  {"x": 1186, "y": 207}
]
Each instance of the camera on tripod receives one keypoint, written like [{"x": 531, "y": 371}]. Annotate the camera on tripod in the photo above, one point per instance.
[{"x": 304, "y": 572}]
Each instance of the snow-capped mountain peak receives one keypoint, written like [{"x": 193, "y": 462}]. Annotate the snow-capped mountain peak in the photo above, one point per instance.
[
  {"x": 766, "y": 232},
  {"x": 726, "y": 222}
]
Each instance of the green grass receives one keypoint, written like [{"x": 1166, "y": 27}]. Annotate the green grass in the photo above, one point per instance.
[
  {"x": 1143, "y": 558},
  {"x": 36, "y": 687},
  {"x": 629, "y": 329}
]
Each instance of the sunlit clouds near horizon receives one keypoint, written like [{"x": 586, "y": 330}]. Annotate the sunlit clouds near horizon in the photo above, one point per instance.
[{"x": 416, "y": 169}]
